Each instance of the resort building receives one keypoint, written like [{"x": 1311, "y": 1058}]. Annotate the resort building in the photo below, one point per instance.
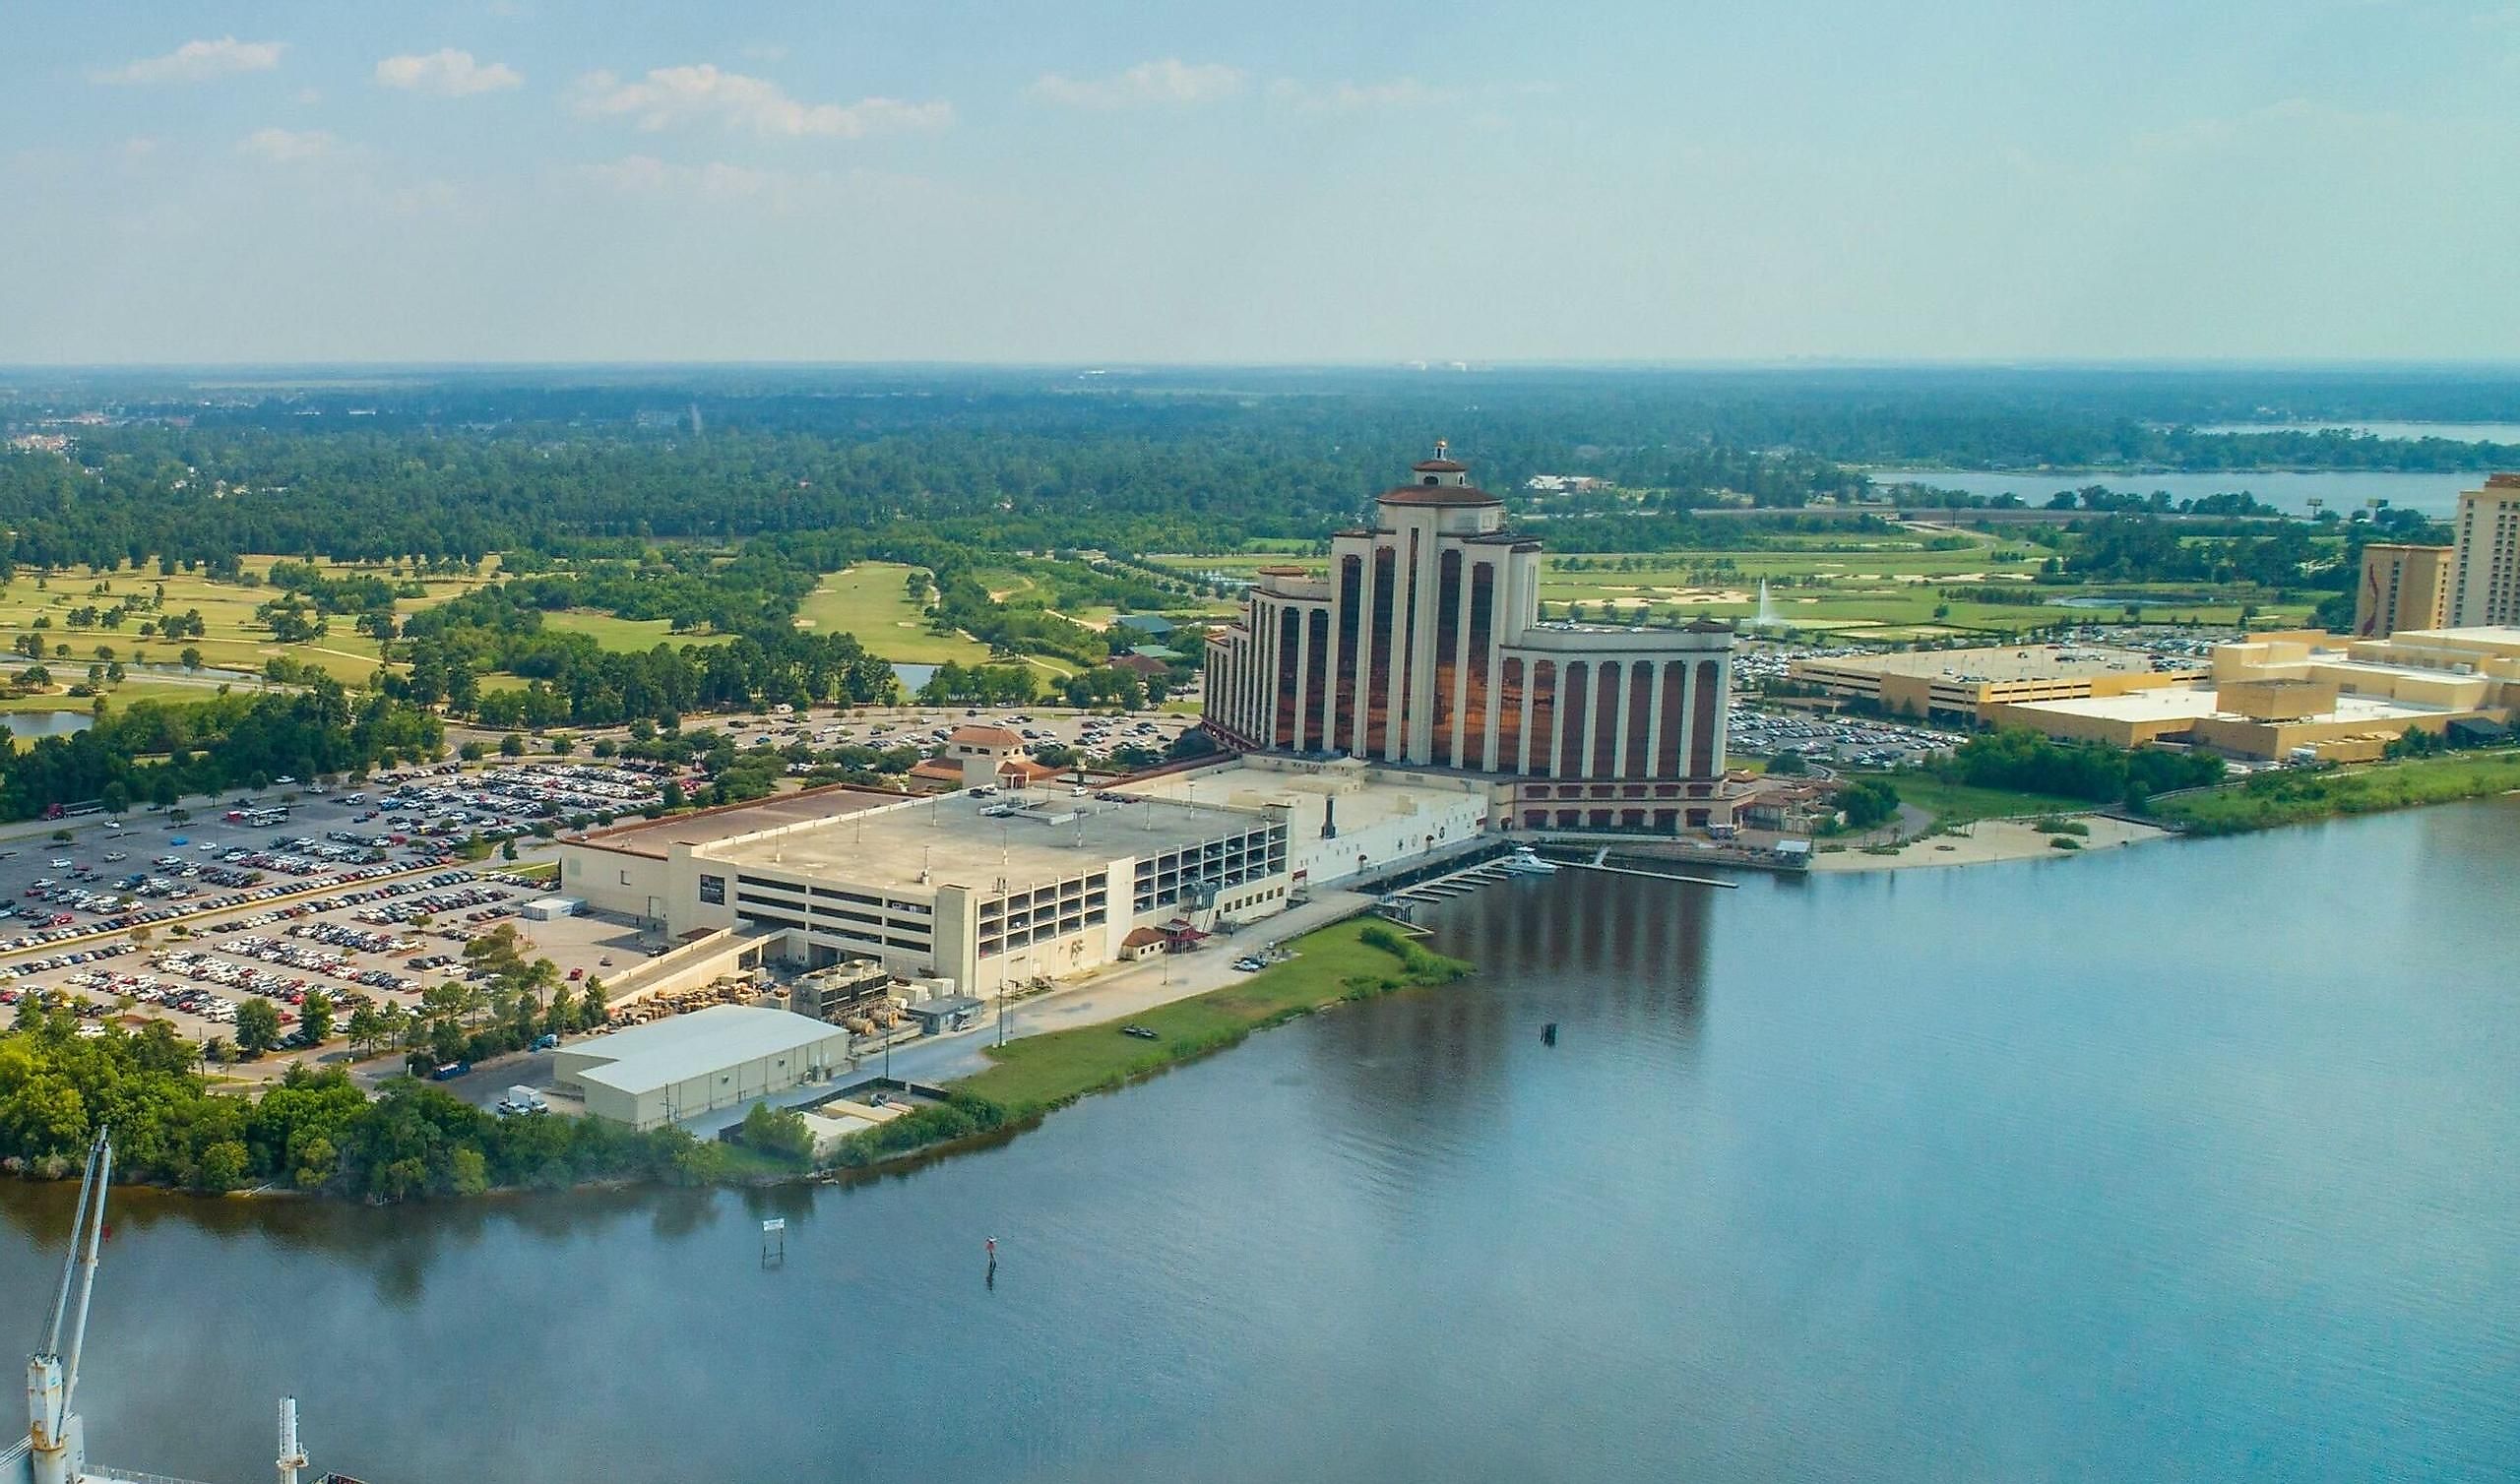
[
  {"x": 983, "y": 890},
  {"x": 2402, "y": 588},
  {"x": 2485, "y": 589},
  {"x": 1423, "y": 648},
  {"x": 1962, "y": 683},
  {"x": 2285, "y": 697}
]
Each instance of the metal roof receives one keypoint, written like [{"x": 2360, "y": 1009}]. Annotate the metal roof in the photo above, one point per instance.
[{"x": 681, "y": 1047}]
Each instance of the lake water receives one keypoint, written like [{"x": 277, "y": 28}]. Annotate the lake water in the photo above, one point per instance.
[
  {"x": 913, "y": 677},
  {"x": 2191, "y": 1161},
  {"x": 2455, "y": 432},
  {"x": 45, "y": 723},
  {"x": 2344, "y": 492}
]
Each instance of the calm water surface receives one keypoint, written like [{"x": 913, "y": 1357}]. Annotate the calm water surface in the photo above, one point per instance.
[
  {"x": 2192, "y": 1161},
  {"x": 2455, "y": 432},
  {"x": 45, "y": 723},
  {"x": 2289, "y": 490}
]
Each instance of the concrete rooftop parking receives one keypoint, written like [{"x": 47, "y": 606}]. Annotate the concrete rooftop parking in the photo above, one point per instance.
[{"x": 951, "y": 838}]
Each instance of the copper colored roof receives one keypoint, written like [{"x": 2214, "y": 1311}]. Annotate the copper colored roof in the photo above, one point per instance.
[
  {"x": 1440, "y": 466},
  {"x": 2502, "y": 481},
  {"x": 1281, "y": 572},
  {"x": 1439, "y": 494},
  {"x": 984, "y": 737}
]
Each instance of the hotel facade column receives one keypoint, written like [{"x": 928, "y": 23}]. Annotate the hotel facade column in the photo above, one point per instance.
[{"x": 1303, "y": 673}]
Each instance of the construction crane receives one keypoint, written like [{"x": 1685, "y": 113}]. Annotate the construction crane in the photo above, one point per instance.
[{"x": 55, "y": 1448}]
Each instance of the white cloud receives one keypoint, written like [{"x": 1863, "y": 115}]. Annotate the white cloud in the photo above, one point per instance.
[
  {"x": 1356, "y": 97},
  {"x": 196, "y": 60},
  {"x": 670, "y": 96},
  {"x": 1170, "y": 81},
  {"x": 288, "y": 146},
  {"x": 446, "y": 72}
]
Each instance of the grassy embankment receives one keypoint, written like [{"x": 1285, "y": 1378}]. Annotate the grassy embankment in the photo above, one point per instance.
[
  {"x": 2291, "y": 797},
  {"x": 1350, "y": 961}
]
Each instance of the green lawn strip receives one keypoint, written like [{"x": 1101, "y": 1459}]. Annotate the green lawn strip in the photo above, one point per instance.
[
  {"x": 1038, "y": 1073},
  {"x": 2292, "y": 797},
  {"x": 1035, "y": 1075},
  {"x": 1962, "y": 803}
]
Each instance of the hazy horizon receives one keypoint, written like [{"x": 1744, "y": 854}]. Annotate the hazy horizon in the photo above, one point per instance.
[{"x": 1607, "y": 183}]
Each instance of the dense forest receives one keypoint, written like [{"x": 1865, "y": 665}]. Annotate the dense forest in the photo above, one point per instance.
[{"x": 456, "y": 467}]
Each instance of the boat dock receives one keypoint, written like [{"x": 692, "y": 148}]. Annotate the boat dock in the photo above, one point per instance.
[
  {"x": 1468, "y": 879},
  {"x": 1695, "y": 881},
  {"x": 1452, "y": 884}
]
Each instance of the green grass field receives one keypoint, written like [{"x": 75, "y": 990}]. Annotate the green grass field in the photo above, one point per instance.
[
  {"x": 232, "y": 638},
  {"x": 869, "y": 602},
  {"x": 1044, "y": 1071},
  {"x": 632, "y": 634}
]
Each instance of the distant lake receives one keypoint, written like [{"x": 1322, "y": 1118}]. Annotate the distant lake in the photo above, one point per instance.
[
  {"x": 2344, "y": 490},
  {"x": 913, "y": 677},
  {"x": 46, "y": 723},
  {"x": 2455, "y": 432}
]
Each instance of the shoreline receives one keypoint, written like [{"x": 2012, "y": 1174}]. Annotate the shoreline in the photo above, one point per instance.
[{"x": 1988, "y": 842}]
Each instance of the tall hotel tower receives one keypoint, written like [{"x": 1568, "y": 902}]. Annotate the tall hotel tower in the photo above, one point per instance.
[{"x": 1423, "y": 648}]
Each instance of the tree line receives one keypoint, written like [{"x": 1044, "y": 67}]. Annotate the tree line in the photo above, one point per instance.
[{"x": 157, "y": 751}]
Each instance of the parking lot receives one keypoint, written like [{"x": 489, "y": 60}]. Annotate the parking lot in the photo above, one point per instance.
[
  {"x": 926, "y": 727},
  {"x": 1856, "y": 741},
  {"x": 356, "y": 892}
]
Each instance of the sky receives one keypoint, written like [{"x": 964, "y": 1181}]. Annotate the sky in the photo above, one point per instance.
[{"x": 1301, "y": 181}]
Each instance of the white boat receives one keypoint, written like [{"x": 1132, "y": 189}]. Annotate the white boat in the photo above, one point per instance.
[{"x": 1525, "y": 861}]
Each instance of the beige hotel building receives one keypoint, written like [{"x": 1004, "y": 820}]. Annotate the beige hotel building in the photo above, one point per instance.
[{"x": 1422, "y": 648}]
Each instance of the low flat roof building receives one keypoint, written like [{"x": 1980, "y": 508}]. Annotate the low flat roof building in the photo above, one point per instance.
[
  {"x": 725, "y": 1056},
  {"x": 1959, "y": 683},
  {"x": 2276, "y": 693}
]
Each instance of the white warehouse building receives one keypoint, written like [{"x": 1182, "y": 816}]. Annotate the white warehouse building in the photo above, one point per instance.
[{"x": 727, "y": 1056}]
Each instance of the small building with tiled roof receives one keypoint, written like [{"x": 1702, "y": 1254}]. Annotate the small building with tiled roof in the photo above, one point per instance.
[
  {"x": 936, "y": 775},
  {"x": 1024, "y": 772}
]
